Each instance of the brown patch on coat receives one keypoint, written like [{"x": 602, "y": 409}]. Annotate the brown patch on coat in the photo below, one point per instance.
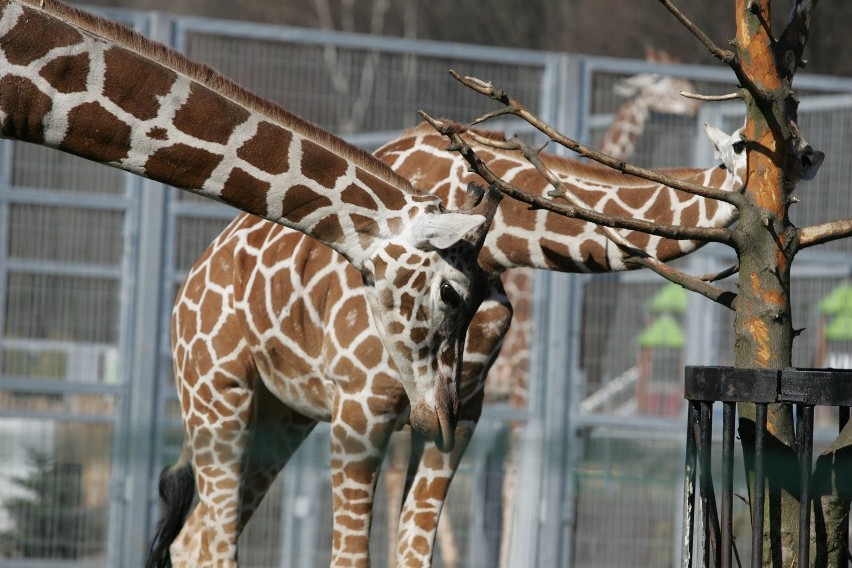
[
  {"x": 25, "y": 107},
  {"x": 268, "y": 149},
  {"x": 67, "y": 73},
  {"x": 321, "y": 164},
  {"x": 301, "y": 201},
  {"x": 391, "y": 196},
  {"x": 207, "y": 115},
  {"x": 246, "y": 192},
  {"x": 26, "y": 41},
  {"x": 134, "y": 83},
  {"x": 182, "y": 166},
  {"x": 95, "y": 133}
]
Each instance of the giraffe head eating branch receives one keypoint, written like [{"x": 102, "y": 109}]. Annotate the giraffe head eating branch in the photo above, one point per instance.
[{"x": 87, "y": 86}]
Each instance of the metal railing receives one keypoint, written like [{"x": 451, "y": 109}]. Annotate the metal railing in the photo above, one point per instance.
[{"x": 803, "y": 388}]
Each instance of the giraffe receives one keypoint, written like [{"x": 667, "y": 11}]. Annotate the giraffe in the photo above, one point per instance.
[
  {"x": 87, "y": 86},
  {"x": 318, "y": 332},
  {"x": 643, "y": 94},
  {"x": 520, "y": 238}
]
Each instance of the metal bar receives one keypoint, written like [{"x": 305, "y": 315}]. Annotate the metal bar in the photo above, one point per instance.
[
  {"x": 689, "y": 485},
  {"x": 843, "y": 420},
  {"x": 758, "y": 499},
  {"x": 48, "y": 386},
  {"x": 27, "y": 195},
  {"x": 708, "y": 494},
  {"x": 805, "y": 436},
  {"x": 728, "y": 416}
]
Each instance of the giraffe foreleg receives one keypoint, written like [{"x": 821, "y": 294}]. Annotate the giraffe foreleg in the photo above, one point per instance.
[
  {"x": 425, "y": 497},
  {"x": 358, "y": 445},
  {"x": 430, "y": 471}
]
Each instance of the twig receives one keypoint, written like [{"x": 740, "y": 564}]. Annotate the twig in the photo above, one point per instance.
[
  {"x": 607, "y": 223},
  {"x": 730, "y": 271},
  {"x": 826, "y": 232},
  {"x": 711, "y": 98},
  {"x": 719, "y": 295},
  {"x": 723, "y": 55},
  {"x": 520, "y": 111}
]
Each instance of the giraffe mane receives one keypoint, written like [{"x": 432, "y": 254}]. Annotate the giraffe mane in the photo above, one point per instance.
[
  {"x": 210, "y": 78},
  {"x": 587, "y": 170}
]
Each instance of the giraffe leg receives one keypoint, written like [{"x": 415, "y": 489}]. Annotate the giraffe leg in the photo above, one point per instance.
[
  {"x": 358, "y": 445},
  {"x": 431, "y": 471},
  {"x": 425, "y": 497},
  {"x": 209, "y": 536},
  {"x": 277, "y": 432}
]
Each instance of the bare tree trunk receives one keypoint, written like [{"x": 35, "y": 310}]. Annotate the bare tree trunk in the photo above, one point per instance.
[{"x": 765, "y": 241}]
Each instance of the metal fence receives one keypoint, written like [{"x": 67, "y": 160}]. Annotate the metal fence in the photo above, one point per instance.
[{"x": 90, "y": 260}]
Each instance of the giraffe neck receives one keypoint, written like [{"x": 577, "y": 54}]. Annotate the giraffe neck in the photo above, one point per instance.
[
  {"x": 520, "y": 237},
  {"x": 620, "y": 139},
  {"x": 93, "y": 88}
]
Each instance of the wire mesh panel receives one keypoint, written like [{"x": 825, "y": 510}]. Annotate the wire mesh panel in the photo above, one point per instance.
[{"x": 366, "y": 84}]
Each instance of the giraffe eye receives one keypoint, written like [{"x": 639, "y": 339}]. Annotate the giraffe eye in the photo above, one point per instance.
[
  {"x": 739, "y": 146},
  {"x": 449, "y": 295}
]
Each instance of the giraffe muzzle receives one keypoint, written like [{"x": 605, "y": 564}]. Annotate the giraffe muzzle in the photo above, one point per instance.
[{"x": 437, "y": 423}]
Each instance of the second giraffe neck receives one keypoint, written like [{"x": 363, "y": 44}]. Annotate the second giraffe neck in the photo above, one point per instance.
[
  {"x": 620, "y": 139},
  {"x": 520, "y": 237}
]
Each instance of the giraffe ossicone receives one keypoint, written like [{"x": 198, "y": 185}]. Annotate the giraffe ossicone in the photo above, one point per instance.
[{"x": 90, "y": 87}]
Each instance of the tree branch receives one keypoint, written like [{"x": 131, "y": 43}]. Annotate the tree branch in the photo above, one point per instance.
[
  {"x": 723, "y": 55},
  {"x": 792, "y": 42},
  {"x": 607, "y": 223},
  {"x": 516, "y": 108},
  {"x": 719, "y": 295},
  {"x": 826, "y": 232},
  {"x": 576, "y": 208},
  {"x": 712, "y": 98}
]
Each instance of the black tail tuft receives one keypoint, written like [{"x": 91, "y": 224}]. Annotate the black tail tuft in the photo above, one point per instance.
[{"x": 177, "y": 490}]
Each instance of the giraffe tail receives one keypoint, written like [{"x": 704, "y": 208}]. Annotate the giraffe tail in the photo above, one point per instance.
[{"x": 177, "y": 491}]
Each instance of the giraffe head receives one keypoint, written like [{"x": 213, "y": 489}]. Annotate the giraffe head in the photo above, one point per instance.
[
  {"x": 424, "y": 288},
  {"x": 659, "y": 93},
  {"x": 731, "y": 150}
]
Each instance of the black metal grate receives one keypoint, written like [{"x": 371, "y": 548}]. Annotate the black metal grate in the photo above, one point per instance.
[{"x": 804, "y": 388}]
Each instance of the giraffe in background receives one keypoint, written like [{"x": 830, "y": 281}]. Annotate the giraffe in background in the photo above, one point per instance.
[
  {"x": 643, "y": 94},
  {"x": 87, "y": 86}
]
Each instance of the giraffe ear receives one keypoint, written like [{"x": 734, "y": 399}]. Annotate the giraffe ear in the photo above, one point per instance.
[
  {"x": 717, "y": 137},
  {"x": 439, "y": 231}
]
